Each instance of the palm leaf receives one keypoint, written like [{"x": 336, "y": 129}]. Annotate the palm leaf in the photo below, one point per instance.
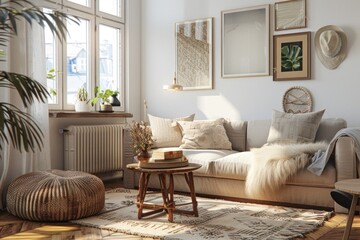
[
  {"x": 9, "y": 15},
  {"x": 23, "y": 132},
  {"x": 28, "y": 89},
  {"x": 17, "y": 126}
]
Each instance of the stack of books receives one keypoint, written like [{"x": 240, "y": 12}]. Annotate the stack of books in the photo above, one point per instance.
[{"x": 166, "y": 158}]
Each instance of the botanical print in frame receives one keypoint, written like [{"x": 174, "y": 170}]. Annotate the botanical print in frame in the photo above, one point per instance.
[
  {"x": 194, "y": 54},
  {"x": 290, "y": 15},
  {"x": 245, "y": 42},
  {"x": 292, "y": 56}
]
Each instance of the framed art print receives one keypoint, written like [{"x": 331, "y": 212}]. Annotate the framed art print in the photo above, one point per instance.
[
  {"x": 245, "y": 42},
  {"x": 292, "y": 56},
  {"x": 290, "y": 15},
  {"x": 194, "y": 54}
]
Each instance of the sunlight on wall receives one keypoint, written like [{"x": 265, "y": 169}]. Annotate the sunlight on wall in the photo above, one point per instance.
[{"x": 216, "y": 107}]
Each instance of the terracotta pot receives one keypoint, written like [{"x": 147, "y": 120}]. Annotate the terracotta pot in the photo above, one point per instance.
[{"x": 143, "y": 156}]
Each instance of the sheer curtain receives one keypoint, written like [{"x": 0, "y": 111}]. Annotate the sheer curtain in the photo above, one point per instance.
[{"x": 26, "y": 56}]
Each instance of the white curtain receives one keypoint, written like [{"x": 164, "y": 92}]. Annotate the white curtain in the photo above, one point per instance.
[{"x": 27, "y": 56}]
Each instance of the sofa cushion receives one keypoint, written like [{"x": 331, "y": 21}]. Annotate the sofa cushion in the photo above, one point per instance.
[
  {"x": 234, "y": 166},
  {"x": 165, "y": 131},
  {"x": 205, "y": 157},
  {"x": 257, "y": 133},
  {"x": 328, "y": 128},
  {"x": 292, "y": 128},
  {"x": 306, "y": 178},
  {"x": 204, "y": 134},
  {"x": 236, "y": 132}
]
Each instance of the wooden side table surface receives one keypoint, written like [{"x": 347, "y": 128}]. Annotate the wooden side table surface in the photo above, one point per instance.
[
  {"x": 167, "y": 189},
  {"x": 350, "y": 186}
]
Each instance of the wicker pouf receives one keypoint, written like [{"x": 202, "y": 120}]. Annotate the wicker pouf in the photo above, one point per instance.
[{"x": 55, "y": 195}]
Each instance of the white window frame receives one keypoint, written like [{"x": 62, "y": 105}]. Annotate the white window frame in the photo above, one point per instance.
[
  {"x": 95, "y": 17},
  {"x": 89, "y": 9},
  {"x": 59, "y": 63},
  {"x": 91, "y": 60},
  {"x": 110, "y": 16},
  {"x": 121, "y": 27},
  {"x": 51, "y": 1}
]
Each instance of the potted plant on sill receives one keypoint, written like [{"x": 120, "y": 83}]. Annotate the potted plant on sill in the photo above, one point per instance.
[
  {"x": 104, "y": 96},
  {"x": 82, "y": 100}
]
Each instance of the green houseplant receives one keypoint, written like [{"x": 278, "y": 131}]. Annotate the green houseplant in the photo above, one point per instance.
[
  {"x": 104, "y": 96},
  {"x": 82, "y": 100},
  {"x": 17, "y": 126}
]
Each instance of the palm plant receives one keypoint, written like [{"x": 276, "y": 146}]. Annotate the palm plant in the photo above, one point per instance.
[{"x": 15, "y": 125}]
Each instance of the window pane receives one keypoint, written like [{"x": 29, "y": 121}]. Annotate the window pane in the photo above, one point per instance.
[
  {"x": 50, "y": 55},
  {"x": 81, "y": 2},
  {"x": 109, "y": 57},
  {"x": 77, "y": 59},
  {"x": 112, "y": 7}
]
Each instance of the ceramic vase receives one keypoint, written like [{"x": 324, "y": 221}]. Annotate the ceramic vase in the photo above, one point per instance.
[
  {"x": 114, "y": 101},
  {"x": 81, "y": 106},
  {"x": 106, "y": 107},
  {"x": 143, "y": 156}
]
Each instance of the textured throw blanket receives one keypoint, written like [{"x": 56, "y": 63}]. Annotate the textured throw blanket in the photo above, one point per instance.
[
  {"x": 321, "y": 158},
  {"x": 273, "y": 165}
]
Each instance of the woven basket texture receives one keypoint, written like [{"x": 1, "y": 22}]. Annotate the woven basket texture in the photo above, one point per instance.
[{"x": 55, "y": 195}]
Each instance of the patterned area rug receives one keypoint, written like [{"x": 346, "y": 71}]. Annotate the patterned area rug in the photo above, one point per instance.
[{"x": 218, "y": 219}]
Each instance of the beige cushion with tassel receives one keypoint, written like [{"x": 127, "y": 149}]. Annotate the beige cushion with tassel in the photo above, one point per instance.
[{"x": 55, "y": 195}]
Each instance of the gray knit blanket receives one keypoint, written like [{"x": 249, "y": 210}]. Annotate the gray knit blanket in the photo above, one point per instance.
[{"x": 320, "y": 159}]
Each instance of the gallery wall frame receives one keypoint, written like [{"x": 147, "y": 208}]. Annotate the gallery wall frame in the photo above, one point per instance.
[
  {"x": 194, "y": 54},
  {"x": 290, "y": 15},
  {"x": 245, "y": 42},
  {"x": 292, "y": 58}
]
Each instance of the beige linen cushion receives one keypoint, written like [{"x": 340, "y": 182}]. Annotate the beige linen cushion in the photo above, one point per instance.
[
  {"x": 204, "y": 134},
  {"x": 165, "y": 131},
  {"x": 294, "y": 128}
]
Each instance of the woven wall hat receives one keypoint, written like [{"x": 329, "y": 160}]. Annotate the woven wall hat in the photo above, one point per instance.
[{"x": 330, "y": 45}]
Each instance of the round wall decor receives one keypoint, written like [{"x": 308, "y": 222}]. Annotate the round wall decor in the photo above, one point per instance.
[{"x": 297, "y": 100}]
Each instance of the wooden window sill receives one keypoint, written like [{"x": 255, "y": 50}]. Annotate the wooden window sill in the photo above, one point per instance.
[{"x": 73, "y": 114}]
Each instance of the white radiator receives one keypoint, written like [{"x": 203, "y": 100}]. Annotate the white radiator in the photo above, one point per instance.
[{"x": 93, "y": 149}]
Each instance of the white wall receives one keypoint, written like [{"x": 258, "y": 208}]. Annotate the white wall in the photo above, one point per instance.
[{"x": 337, "y": 90}]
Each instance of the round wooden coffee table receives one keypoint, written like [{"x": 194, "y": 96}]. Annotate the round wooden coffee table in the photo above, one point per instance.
[
  {"x": 350, "y": 186},
  {"x": 167, "y": 190}
]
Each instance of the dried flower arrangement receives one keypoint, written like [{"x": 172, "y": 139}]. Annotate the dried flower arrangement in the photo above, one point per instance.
[{"x": 141, "y": 136}]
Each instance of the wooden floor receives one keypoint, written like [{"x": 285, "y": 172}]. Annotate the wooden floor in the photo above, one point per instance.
[{"x": 15, "y": 228}]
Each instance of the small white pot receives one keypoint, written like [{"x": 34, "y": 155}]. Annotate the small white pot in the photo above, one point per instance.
[{"x": 81, "y": 106}]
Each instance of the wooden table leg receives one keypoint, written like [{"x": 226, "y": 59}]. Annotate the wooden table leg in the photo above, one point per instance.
[
  {"x": 171, "y": 203},
  {"x": 190, "y": 180},
  {"x": 141, "y": 194},
  {"x": 350, "y": 216},
  {"x": 168, "y": 195},
  {"x": 162, "y": 181}
]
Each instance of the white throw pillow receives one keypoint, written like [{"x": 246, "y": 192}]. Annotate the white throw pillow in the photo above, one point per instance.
[
  {"x": 294, "y": 128},
  {"x": 204, "y": 134},
  {"x": 165, "y": 131}
]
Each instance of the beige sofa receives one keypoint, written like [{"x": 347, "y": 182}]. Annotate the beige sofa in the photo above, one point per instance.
[{"x": 223, "y": 172}]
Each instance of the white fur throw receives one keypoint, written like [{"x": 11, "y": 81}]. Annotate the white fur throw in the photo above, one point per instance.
[{"x": 272, "y": 165}]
